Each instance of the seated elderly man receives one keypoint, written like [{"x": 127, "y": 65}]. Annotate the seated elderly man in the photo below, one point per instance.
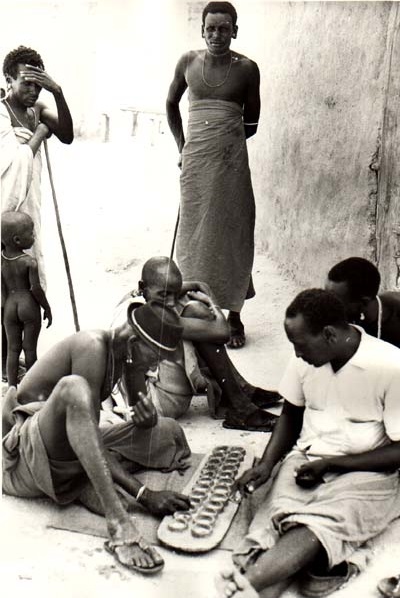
[
  {"x": 356, "y": 282},
  {"x": 52, "y": 444},
  {"x": 205, "y": 330},
  {"x": 339, "y": 438}
]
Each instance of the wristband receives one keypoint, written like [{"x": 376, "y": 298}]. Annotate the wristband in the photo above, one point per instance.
[{"x": 140, "y": 492}]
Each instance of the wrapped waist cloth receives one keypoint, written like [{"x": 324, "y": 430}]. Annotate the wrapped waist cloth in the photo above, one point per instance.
[
  {"x": 344, "y": 512},
  {"x": 215, "y": 241},
  {"x": 28, "y": 471}
]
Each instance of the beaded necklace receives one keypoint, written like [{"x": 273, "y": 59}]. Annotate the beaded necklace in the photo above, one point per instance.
[
  {"x": 213, "y": 85},
  {"x": 379, "y": 333},
  {"x": 11, "y": 259},
  {"x": 16, "y": 117}
]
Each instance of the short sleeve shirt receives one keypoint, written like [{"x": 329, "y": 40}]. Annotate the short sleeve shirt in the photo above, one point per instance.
[{"x": 353, "y": 410}]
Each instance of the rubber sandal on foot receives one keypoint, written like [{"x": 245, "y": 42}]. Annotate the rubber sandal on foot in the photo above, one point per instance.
[{"x": 111, "y": 548}]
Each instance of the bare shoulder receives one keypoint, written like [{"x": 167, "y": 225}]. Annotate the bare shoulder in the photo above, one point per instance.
[
  {"x": 89, "y": 343},
  {"x": 93, "y": 341},
  {"x": 30, "y": 261},
  {"x": 186, "y": 60},
  {"x": 246, "y": 63}
]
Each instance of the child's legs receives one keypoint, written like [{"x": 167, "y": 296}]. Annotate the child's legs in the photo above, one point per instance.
[
  {"x": 14, "y": 330},
  {"x": 29, "y": 344},
  {"x": 29, "y": 314}
]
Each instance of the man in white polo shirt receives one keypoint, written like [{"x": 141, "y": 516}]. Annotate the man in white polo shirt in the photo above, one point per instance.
[{"x": 339, "y": 435}]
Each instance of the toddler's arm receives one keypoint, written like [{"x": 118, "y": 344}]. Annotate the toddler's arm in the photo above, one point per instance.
[{"x": 38, "y": 292}]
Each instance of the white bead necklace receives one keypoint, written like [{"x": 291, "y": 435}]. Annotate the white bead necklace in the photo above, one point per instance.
[
  {"x": 11, "y": 259},
  {"x": 14, "y": 115},
  {"x": 379, "y": 317}
]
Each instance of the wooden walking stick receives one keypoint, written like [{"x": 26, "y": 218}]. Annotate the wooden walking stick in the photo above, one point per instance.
[
  {"x": 60, "y": 234},
  {"x": 174, "y": 239}
]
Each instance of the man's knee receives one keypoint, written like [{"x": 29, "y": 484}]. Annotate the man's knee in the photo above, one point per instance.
[
  {"x": 196, "y": 309},
  {"x": 168, "y": 427},
  {"x": 75, "y": 390}
]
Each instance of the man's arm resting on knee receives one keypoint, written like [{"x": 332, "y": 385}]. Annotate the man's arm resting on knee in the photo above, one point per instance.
[
  {"x": 203, "y": 320},
  {"x": 385, "y": 458},
  {"x": 197, "y": 285}
]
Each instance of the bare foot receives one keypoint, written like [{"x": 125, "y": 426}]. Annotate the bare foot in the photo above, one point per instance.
[
  {"x": 238, "y": 337},
  {"x": 232, "y": 584}
]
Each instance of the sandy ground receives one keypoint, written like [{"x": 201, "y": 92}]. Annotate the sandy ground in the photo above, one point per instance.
[{"x": 118, "y": 204}]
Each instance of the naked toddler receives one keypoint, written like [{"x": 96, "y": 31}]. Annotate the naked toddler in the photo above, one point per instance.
[{"x": 22, "y": 294}]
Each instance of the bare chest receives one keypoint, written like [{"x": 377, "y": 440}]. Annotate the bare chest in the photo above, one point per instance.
[
  {"x": 22, "y": 118},
  {"x": 225, "y": 81}
]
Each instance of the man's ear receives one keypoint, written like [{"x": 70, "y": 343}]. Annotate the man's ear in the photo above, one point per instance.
[
  {"x": 235, "y": 31},
  {"x": 202, "y": 31},
  {"x": 329, "y": 333},
  {"x": 141, "y": 286}
]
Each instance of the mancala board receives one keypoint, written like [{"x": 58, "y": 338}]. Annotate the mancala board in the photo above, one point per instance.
[{"x": 212, "y": 505}]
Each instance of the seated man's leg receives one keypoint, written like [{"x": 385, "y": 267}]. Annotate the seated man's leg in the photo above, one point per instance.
[
  {"x": 259, "y": 396},
  {"x": 68, "y": 424},
  {"x": 275, "y": 568},
  {"x": 242, "y": 414}
]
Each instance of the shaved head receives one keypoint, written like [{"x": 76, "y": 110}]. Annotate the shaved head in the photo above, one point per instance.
[
  {"x": 13, "y": 223},
  {"x": 161, "y": 281},
  {"x": 161, "y": 271}
]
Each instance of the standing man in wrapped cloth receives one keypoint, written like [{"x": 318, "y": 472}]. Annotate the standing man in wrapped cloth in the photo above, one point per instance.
[
  {"x": 338, "y": 441},
  {"x": 215, "y": 241},
  {"x": 52, "y": 444}
]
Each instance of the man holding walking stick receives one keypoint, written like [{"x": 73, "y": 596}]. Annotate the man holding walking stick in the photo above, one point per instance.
[{"x": 25, "y": 122}]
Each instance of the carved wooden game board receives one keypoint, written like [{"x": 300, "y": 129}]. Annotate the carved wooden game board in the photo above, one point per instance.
[{"x": 212, "y": 506}]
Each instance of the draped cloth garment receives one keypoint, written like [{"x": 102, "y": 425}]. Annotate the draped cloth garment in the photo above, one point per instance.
[
  {"x": 20, "y": 179},
  {"x": 29, "y": 472},
  {"x": 215, "y": 241},
  {"x": 344, "y": 512}
]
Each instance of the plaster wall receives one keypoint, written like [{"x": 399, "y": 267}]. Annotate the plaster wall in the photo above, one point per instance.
[{"x": 325, "y": 161}]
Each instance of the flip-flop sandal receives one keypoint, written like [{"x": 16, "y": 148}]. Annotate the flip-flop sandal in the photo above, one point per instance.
[
  {"x": 236, "y": 424},
  {"x": 111, "y": 546},
  {"x": 318, "y": 586},
  {"x": 390, "y": 587}
]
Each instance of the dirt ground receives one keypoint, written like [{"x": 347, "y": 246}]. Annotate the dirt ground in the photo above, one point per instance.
[{"x": 118, "y": 204}]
